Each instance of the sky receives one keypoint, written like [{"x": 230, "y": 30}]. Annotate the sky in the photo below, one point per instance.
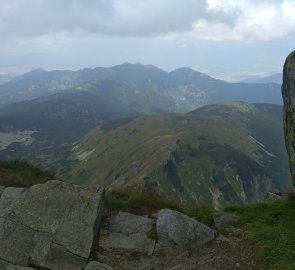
[{"x": 228, "y": 39}]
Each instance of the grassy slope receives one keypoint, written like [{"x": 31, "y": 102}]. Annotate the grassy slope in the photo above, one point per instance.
[
  {"x": 183, "y": 152},
  {"x": 270, "y": 227},
  {"x": 22, "y": 174}
]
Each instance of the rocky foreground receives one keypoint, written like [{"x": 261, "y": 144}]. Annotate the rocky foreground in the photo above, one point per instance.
[{"x": 59, "y": 226}]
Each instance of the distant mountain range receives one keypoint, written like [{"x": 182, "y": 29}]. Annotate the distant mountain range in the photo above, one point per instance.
[
  {"x": 216, "y": 155},
  {"x": 141, "y": 88},
  {"x": 58, "y": 107},
  {"x": 274, "y": 78}
]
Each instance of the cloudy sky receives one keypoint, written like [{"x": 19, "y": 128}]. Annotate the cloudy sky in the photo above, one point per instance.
[{"x": 224, "y": 38}]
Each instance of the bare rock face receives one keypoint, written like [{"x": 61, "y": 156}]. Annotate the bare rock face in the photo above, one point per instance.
[
  {"x": 288, "y": 92},
  {"x": 51, "y": 225}
]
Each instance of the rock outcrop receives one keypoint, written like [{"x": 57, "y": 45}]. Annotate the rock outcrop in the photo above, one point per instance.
[
  {"x": 179, "y": 231},
  {"x": 288, "y": 92},
  {"x": 51, "y": 226}
]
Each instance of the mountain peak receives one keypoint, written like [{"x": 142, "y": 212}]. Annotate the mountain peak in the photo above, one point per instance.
[
  {"x": 184, "y": 70},
  {"x": 34, "y": 72},
  {"x": 188, "y": 74}
]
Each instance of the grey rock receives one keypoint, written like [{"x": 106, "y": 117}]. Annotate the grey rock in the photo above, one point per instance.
[
  {"x": 127, "y": 223},
  {"x": 1, "y": 190},
  {"x": 98, "y": 266},
  {"x": 9, "y": 195},
  {"x": 129, "y": 232},
  {"x": 151, "y": 248},
  {"x": 154, "y": 215},
  {"x": 103, "y": 259},
  {"x": 166, "y": 251},
  {"x": 53, "y": 226},
  {"x": 288, "y": 92},
  {"x": 272, "y": 197},
  {"x": 181, "y": 267},
  {"x": 179, "y": 231},
  {"x": 223, "y": 220},
  {"x": 17, "y": 241},
  {"x": 133, "y": 242},
  {"x": 3, "y": 264},
  {"x": 15, "y": 267}
]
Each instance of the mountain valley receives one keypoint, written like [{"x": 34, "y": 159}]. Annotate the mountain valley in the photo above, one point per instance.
[{"x": 136, "y": 131}]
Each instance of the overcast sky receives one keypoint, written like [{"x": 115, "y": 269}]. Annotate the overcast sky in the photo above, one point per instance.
[{"x": 224, "y": 38}]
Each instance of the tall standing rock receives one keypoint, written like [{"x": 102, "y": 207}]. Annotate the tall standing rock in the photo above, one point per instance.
[{"x": 288, "y": 92}]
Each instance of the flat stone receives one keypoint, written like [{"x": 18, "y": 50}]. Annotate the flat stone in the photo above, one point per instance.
[
  {"x": 129, "y": 232},
  {"x": 127, "y": 223},
  {"x": 134, "y": 242},
  {"x": 179, "y": 231},
  {"x": 53, "y": 226}
]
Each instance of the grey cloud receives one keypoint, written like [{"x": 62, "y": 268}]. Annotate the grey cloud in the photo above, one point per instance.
[{"x": 107, "y": 17}]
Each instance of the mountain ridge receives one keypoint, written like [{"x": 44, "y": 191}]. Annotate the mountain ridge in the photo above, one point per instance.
[
  {"x": 201, "y": 157},
  {"x": 184, "y": 87}
]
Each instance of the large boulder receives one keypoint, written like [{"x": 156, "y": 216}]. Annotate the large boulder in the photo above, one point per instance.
[
  {"x": 179, "y": 231},
  {"x": 51, "y": 226},
  {"x": 288, "y": 92}
]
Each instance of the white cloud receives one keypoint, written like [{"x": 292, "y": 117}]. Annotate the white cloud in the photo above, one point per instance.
[
  {"x": 258, "y": 20},
  {"x": 215, "y": 20},
  {"x": 108, "y": 17}
]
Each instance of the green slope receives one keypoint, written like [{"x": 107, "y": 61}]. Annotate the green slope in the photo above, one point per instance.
[
  {"x": 216, "y": 155},
  {"x": 22, "y": 174}
]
